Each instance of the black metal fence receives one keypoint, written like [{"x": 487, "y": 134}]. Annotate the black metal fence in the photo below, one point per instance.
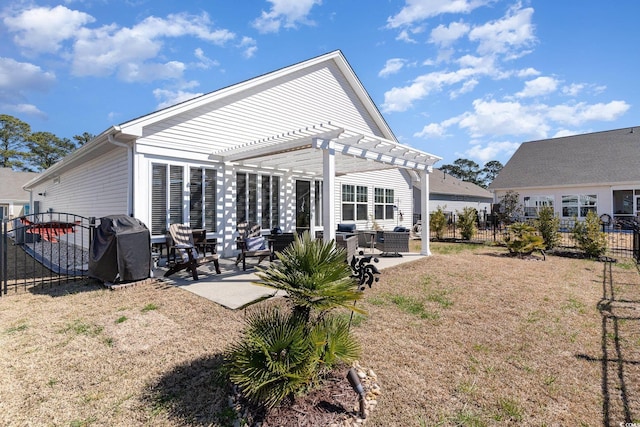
[
  {"x": 43, "y": 249},
  {"x": 623, "y": 239}
]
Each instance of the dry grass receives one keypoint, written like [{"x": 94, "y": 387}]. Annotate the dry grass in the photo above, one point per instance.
[{"x": 465, "y": 337}]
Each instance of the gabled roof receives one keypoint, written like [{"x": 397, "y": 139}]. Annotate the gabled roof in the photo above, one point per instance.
[
  {"x": 12, "y": 182},
  {"x": 372, "y": 151},
  {"x": 443, "y": 183},
  {"x": 609, "y": 157},
  {"x": 135, "y": 126}
]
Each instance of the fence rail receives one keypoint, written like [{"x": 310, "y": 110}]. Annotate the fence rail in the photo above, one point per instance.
[
  {"x": 623, "y": 239},
  {"x": 43, "y": 249}
]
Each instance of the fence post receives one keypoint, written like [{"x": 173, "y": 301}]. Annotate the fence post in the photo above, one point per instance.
[{"x": 3, "y": 257}]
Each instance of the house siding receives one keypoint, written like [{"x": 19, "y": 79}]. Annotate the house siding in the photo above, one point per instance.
[
  {"x": 281, "y": 106},
  {"x": 387, "y": 178},
  {"x": 97, "y": 188}
]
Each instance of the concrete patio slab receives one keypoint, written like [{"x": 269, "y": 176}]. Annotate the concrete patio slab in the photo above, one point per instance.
[{"x": 236, "y": 289}]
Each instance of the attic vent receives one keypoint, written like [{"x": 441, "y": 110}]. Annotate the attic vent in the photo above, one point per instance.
[{"x": 56, "y": 180}]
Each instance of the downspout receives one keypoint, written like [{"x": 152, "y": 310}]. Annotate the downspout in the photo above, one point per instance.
[{"x": 130, "y": 171}]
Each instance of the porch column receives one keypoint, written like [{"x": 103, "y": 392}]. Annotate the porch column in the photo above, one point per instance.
[
  {"x": 424, "y": 212},
  {"x": 227, "y": 200},
  {"x": 328, "y": 191}
]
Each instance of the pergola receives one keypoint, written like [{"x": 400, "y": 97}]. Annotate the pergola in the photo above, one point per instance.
[{"x": 328, "y": 150}]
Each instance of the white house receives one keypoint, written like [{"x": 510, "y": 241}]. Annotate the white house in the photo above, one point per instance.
[
  {"x": 14, "y": 201},
  {"x": 453, "y": 194},
  {"x": 576, "y": 174},
  {"x": 303, "y": 147}
]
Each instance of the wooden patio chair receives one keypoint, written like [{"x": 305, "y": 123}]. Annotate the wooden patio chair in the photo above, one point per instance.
[
  {"x": 187, "y": 256},
  {"x": 251, "y": 244}
]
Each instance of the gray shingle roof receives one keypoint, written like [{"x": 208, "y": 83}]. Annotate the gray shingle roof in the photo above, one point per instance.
[
  {"x": 590, "y": 159},
  {"x": 12, "y": 182},
  {"x": 442, "y": 183}
]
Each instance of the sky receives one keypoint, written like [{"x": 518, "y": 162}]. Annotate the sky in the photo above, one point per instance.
[{"x": 468, "y": 79}]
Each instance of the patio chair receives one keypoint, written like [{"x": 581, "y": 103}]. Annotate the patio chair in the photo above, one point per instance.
[
  {"x": 279, "y": 242},
  {"x": 187, "y": 256},
  {"x": 391, "y": 243},
  {"x": 349, "y": 244},
  {"x": 252, "y": 244}
]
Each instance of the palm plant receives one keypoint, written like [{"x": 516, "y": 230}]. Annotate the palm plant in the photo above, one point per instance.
[
  {"x": 282, "y": 354},
  {"x": 314, "y": 276}
]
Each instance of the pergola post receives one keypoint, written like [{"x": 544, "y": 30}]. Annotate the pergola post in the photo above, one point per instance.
[
  {"x": 328, "y": 192},
  {"x": 424, "y": 212}
]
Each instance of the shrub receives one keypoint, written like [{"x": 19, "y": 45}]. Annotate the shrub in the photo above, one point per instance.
[
  {"x": 438, "y": 223},
  {"x": 588, "y": 236},
  {"x": 548, "y": 225},
  {"x": 467, "y": 222},
  {"x": 521, "y": 239},
  {"x": 282, "y": 354}
]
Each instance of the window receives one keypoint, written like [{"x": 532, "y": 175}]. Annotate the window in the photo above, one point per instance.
[
  {"x": 532, "y": 204},
  {"x": 354, "y": 202},
  {"x": 202, "y": 198},
  {"x": 270, "y": 201},
  {"x": 247, "y": 209},
  {"x": 579, "y": 205},
  {"x": 383, "y": 203},
  {"x": 166, "y": 197},
  {"x": 318, "y": 203}
]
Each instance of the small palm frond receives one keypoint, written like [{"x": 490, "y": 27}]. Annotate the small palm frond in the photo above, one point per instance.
[{"x": 274, "y": 358}]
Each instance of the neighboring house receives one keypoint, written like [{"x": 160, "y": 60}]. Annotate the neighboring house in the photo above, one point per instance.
[
  {"x": 597, "y": 172},
  {"x": 14, "y": 201},
  {"x": 453, "y": 195},
  {"x": 300, "y": 148}
]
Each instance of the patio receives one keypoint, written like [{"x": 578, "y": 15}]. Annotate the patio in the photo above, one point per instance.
[{"x": 236, "y": 289}]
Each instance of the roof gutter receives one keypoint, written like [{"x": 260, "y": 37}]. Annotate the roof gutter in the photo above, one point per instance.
[{"x": 130, "y": 169}]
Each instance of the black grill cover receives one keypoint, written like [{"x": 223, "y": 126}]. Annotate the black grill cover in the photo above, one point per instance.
[{"x": 120, "y": 250}]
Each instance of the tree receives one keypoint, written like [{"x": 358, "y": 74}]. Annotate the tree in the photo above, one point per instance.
[
  {"x": 83, "y": 139},
  {"x": 13, "y": 136},
  {"x": 490, "y": 170},
  {"x": 46, "y": 149},
  {"x": 510, "y": 207},
  {"x": 469, "y": 171},
  {"x": 465, "y": 170}
]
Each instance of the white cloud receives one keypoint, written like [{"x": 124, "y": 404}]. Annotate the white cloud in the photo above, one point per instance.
[
  {"x": 167, "y": 97},
  {"x": 130, "y": 52},
  {"x": 508, "y": 36},
  {"x": 467, "y": 87},
  {"x": 582, "y": 112},
  {"x": 204, "y": 61},
  {"x": 538, "y": 87},
  {"x": 17, "y": 80},
  {"x": 436, "y": 130},
  {"x": 505, "y": 118},
  {"x": 573, "y": 89},
  {"x": 528, "y": 72},
  {"x": 43, "y": 29},
  {"x": 418, "y": 10},
  {"x": 491, "y": 150},
  {"x": 287, "y": 13},
  {"x": 445, "y": 36},
  {"x": 405, "y": 37},
  {"x": 26, "y": 109},
  {"x": 392, "y": 66},
  {"x": 249, "y": 46}
]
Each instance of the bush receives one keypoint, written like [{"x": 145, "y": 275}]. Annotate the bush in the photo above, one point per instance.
[
  {"x": 467, "y": 222},
  {"x": 589, "y": 237},
  {"x": 438, "y": 223},
  {"x": 548, "y": 225},
  {"x": 521, "y": 239},
  {"x": 282, "y": 354}
]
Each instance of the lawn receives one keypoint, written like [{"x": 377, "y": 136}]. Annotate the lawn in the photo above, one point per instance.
[{"x": 467, "y": 337}]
